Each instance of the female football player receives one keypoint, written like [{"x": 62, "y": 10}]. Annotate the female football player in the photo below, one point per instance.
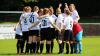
[
  {"x": 77, "y": 31},
  {"x": 18, "y": 36},
  {"x": 68, "y": 34},
  {"x": 53, "y": 18},
  {"x": 34, "y": 31},
  {"x": 24, "y": 21},
  {"x": 74, "y": 12},
  {"x": 59, "y": 23}
]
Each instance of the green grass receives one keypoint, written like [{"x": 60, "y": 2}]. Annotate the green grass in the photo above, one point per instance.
[
  {"x": 8, "y": 22},
  {"x": 91, "y": 47}
]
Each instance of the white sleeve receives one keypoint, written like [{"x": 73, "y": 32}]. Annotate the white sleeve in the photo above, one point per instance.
[
  {"x": 21, "y": 17},
  {"x": 76, "y": 13},
  {"x": 54, "y": 17},
  {"x": 37, "y": 15}
]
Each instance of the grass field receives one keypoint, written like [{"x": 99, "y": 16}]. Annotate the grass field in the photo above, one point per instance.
[{"x": 91, "y": 47}]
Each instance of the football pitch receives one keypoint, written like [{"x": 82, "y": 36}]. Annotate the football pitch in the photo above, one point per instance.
[{"x": 91, "y": 47}]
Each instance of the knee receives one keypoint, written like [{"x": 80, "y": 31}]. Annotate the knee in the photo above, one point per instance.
[
  {"x": 41, "y": 42},
  {"x": 59, "y": 41},
  {"x": 48, "y": 42}
]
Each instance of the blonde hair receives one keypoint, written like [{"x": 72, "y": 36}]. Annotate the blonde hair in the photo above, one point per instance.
[
  {"x": 40, "y": 10},
  {"x": 68, "y": 12},
  {"x": 58, "y": 11},
  {"x": 35, "y": 8}
]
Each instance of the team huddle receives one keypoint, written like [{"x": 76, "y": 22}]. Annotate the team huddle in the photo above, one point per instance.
[{"x": 37, "y": 25}]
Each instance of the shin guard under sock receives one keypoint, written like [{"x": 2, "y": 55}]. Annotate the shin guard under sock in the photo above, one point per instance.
[
  {"x": 18, "y": 46},
  {"x": 52, "y": 45},
  {"x": 47, "y": 48},
  {"x": 60, "y": 48},
  {"x": 38, "y": 45},
  {"x": 41, "y": 47},
  {"x": 27, "y": 48},
  {"x": 22, "y": 46},
  {"x": 63, "y": 45},
  {"x": 34, "y": 44},
  {"x": 71, "y": 47},
  {"x": 67, "y": 48}
]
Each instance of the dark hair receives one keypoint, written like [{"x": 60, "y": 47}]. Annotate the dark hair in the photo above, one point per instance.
[{"x": 26, "y": 8}]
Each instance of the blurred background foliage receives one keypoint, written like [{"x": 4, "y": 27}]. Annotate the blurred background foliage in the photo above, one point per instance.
[{"x": 87, "y": 9}]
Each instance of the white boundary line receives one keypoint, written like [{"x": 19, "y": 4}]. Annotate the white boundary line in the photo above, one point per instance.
[
  {"x": 91, "y": 23},
  {"x": 11, "y": 11}
]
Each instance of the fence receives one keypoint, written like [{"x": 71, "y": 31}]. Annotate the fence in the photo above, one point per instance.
[{"x": 90, "y": 29}]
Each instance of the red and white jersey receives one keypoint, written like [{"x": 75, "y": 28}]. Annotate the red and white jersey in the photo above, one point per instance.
[
  {"x": 60, "y": 20},
  {"x": 68, "y": 23},
  {"x": 75, "y": 15},
  {"x": 53, "y": 19},
  {"x": 76, "y": 28},
  {"x": 33, "y": 18},
  {"x": 24, "y": 18}
]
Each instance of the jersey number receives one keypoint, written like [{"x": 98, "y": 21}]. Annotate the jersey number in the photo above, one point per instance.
[
  {"x": 25, "y": 21},
  {"x": 31, "y": 19},
  {"x": 44, "y": 22}
]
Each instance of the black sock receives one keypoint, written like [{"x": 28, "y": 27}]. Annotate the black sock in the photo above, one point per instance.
[
  {"x": 60, "y": 48},
  {"x": 34, "y": 44},
  {"x": 31, "y": 48},
  {"x": 38, "y": 45},
  {"x": 52, "y": 45},
  {"x": 18, "y": 46},
  {"x": 63, "y": 45},
  {"x": 27, "y": 48},
  {"x": 22, "y": 46},
  {"x": 74, "y": 44},
  {"x": 41, "y": 47},
  {"x": 47, "y": 48},
  {"x": 67, "y": 48},
  {"x": 71, "y": 46}
]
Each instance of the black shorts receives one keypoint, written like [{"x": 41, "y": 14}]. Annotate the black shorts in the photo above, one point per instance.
[
  {"x": 34, "y": 33},
  {"x": 68, "y": 35},
  {"x": 52, "y": 33},
  {"x": 56, "y": 33},
  {"x": 17, "y": 36},
  {"x": 45, "y": 34},
  {"x": 25, "y": 35},
  {"x": 59, "y": 36}
]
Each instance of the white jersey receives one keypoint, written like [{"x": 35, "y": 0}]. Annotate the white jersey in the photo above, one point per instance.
[
  {"x": 64, "y": 15},
  {"x": 33, "y": 18},
  {"x": 74, "y": 15},
  {"x": 25, "y": 21},
  {"x": 53, "y": 19},
  {"x": 68, "y": 23},
  {"x": 45, "y": 22},
  {"x": 18, "y": 30},
  {"x": 59, "y": 20}
]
